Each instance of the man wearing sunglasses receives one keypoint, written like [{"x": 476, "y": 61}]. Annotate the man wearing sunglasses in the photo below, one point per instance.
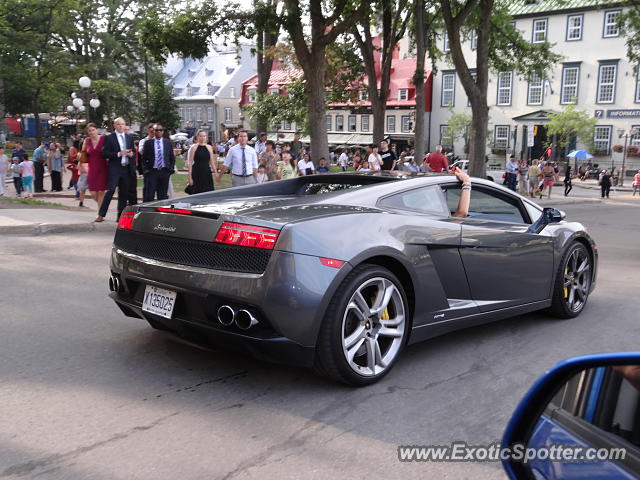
[
  {"x": 158, "y": 162},
  {"x": 120, "y": 154}
]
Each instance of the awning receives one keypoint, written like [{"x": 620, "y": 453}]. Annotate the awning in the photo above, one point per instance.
[
  {"x": 339, "y": 138},
  {"x": 360, "y": 139}
]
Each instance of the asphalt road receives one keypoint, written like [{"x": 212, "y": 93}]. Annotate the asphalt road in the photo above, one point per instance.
[{"x": 86, "y": 393}]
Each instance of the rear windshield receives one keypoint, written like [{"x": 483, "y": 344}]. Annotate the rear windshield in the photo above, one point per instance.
[{"x": 320, "y": 188}]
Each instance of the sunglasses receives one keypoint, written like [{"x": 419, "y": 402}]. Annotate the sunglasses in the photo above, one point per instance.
[{"x": 159, "y": 129}]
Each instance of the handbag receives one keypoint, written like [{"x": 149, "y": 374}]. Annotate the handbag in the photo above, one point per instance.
[{"x": 84, "y": 156}]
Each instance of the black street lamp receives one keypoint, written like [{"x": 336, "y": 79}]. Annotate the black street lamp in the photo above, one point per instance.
[{"x": 80, "y": 98}]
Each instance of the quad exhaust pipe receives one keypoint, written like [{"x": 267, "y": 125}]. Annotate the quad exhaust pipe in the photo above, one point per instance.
[{"x": 243, "y": 319}]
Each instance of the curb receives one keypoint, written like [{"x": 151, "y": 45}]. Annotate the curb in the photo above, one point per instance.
[{"x": 36, "y": 229}]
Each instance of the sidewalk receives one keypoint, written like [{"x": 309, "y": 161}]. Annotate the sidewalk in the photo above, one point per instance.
[{"x": 593, "y": 185}]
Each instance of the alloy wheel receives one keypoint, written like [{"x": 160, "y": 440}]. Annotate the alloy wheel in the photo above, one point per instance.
[
  {"x": 577, "y": 279},
  {"x": 373, "y": 326}
]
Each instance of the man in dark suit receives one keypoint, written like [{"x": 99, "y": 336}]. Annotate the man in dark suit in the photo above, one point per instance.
[
  {"x": 158, "y": 162},
  {"x": 120, "y": 154}
]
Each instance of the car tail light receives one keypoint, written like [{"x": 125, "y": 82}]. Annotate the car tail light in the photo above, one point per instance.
[
  {"x": 247, "y": 235},
  {"x": 331, "y": 262},
  {"x": 177, "y": 211},
  {"x": 126, "y": 220}
]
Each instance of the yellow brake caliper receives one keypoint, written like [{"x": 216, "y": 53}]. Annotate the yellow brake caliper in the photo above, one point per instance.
[
  {"x": 566, "y": 290},
  {"x": 385, "y": 314}
]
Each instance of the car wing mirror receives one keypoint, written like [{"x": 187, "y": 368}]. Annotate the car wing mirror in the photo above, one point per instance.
[
  {"x": 581, "y": 419},
  {"x": 549, "y": 215}
]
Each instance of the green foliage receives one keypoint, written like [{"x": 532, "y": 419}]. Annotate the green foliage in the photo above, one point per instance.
[
  {"x": 344, "y": 70},
  {"x": 570, "y": 123},
  {"x": 278, "y": 108},
  {"x": 629, "y": 22},
  {"x": 458, "y": 126},
  {"x": 162, "y": 107}
]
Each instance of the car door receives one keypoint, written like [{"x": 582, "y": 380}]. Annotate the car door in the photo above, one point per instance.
[
  {"x": 429, "y": 227},
  {"x": 505, "y": 265}
]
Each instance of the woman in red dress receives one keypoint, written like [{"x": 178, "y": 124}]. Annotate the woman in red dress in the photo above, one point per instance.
[{"x": 98, "y": 173}]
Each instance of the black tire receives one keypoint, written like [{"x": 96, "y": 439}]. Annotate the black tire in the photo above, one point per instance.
[
  {"x": 385, "y": 341},
  {"x": 572, "y": 282}
]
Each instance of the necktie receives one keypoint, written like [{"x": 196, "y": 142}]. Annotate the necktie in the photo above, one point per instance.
[
  {"x": 125, "y": 160},
  {"x": 159, "y": 161},
  {"x": 244, "y": 163}
]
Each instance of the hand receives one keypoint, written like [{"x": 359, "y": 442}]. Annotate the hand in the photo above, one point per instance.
[{"x": 461, "y": 176}]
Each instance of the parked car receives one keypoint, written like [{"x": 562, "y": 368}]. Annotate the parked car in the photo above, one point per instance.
[
  {"x": 330, "y": 271},
  {"x": 494, "y": 174}
]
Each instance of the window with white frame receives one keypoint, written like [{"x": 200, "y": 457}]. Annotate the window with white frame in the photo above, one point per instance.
[
  {"x": 274, "y": 91},
  {"x": 403, "y": 94},
  {"x": 210, "y": 90},
  {"x": 252, "y": 96},
  {"x": 446, "y": 137},
  {"x": 363, "y": 95},
  {"x": 539, "y": 34},
  {"x": 501, "y": 137},
  {"x": 607, "y": 82},
  {"x": 535, "y": 93},
  {"x": 209, "y": 114},
  {"x": 339, "y": 123},
  {"x": 445, "y": 43},
  {"x": 190, "y": 113},
  {"x": 364, "y": 123},
  {"x": 198, "y": 114},
  {"x": 391, "y": 123},
  {"x": 635, "y": 139},
  {"x": 448, "y": 94},
  {"x": 227, "y": 114},
  {"x": 328, "y": 117},
  {"x": 505, "y": 80},
  {"x": 405, "y": 123},
  {"x": 611, "y": 27},
  {"x": 352, "y": 123},
  {"x": 232, "y": 92},
  {"x": 569, "y": 90},
  {"x": 286, "y": 125},
  {"x": 474, "y": 39},
  {"x": 602, "y": 138},
  {"x": 574, "y": 27},
  {"x": 189, "y": 91}
]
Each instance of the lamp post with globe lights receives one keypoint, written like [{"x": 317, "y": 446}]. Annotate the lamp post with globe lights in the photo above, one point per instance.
[{"x": 82, "y": 97}]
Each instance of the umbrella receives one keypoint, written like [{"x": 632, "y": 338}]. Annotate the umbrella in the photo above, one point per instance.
[
  {"x": 180, "y": 136},
  {"x": 579, "y": 154}
]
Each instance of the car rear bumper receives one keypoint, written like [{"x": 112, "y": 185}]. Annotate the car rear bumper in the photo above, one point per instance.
[{"x": 289, "y": 299}]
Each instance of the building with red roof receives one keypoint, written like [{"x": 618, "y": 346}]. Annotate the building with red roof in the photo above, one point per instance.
[{"x": 351, "y": 123}]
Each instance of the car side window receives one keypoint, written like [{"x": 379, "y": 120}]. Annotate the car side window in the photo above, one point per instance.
[
  {"x": 422, "y": 200},
  {"x": 487, "y": 204}
]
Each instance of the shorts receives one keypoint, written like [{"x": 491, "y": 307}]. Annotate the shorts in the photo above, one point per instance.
[
  {"x": 27, "y": 183},
  {"x": 83, "y": 182},
  {"x": 549, "y": 183}
]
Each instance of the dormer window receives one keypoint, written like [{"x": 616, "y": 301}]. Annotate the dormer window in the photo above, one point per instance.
[
  {"x": 230, "y": 70},
  {"x": 403, "y": 94},
  {"x": 363, "y": 95},
  {"x": 177, "y": 92},
  {"x": 208, "y": 72},
  {"x": 210, "y": 90},
  {"x": 189, "y": 91},
  {"x": 275, "y": 91},
  {"x": 252, "y": 95}
]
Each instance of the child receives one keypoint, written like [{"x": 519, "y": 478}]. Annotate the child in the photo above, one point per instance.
[
  {"x": 262, "y": 176},
  {"x": 15, "y": 173},
  {"x": 322, "y": 167},
  {"x": 4, "y": 165},
  {"x": 83, "y": 182},
  {"x": 26, "y": 169},
  {"x": 636, "y": 184},
  {"x": 73, "y": 168},
  {"x": 364, "y": 167}
]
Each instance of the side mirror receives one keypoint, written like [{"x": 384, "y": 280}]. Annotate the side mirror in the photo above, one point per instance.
[
  {"x": 580, "y": 420},
  {"x": 549, "y": 215}
]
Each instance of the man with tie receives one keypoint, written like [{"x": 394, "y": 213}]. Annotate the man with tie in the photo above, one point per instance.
[
  {"x": 242, "y": 160},
  {"x": 120, "y": 155},
  {"x": 158, "y": 162}
]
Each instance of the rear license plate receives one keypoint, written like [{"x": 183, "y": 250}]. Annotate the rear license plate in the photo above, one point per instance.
[{"x": 159, "y": 301}]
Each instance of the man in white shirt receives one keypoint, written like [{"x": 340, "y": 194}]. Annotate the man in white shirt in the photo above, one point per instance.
[
  {"x": 4, "y": 166},
  {"x": 343, "y": 160},
  {"x": 375, "y": 161},
  {"x": 242, "y": 161},
  {"x": 261, "y": 143}
]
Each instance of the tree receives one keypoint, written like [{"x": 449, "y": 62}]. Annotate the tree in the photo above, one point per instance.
[
  {"x": 459, "y": 126},
  {"x": 34, "y": 73},
  {"x": 395, "y": 16},
  {"x": 629, "y": 22},
  {"x": 276, "y": 109},
  {"x": 570, "y": 124},
  {"x": 162, "y": 107},
  {"x": 499, "y": 47},
  {"x": 424, "y": 19},
  {"x": 311, "y": 54}
]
